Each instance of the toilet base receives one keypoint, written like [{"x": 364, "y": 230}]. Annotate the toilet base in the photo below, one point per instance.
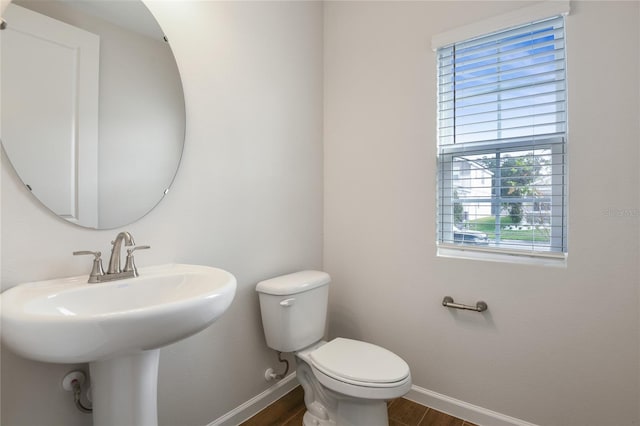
[
  {"x": 311, "y": 420},
  {"x": 357, "y": 414},
  {"x": 328, "y": 408}
]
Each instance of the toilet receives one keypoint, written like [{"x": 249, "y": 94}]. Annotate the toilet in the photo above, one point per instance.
[{"x": 346, "y": 382}]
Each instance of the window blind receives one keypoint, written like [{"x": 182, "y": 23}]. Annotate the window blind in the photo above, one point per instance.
[{"x": 502, "y": 140}]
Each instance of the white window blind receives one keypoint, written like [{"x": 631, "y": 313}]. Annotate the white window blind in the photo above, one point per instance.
[{"x": 502, "y": 141}]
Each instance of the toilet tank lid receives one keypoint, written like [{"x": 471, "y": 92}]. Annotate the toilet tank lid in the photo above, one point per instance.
[{"x": 293, "y": 283}]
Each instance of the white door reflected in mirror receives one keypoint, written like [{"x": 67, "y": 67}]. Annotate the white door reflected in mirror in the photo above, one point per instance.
[{"x": 50, "y": 77}]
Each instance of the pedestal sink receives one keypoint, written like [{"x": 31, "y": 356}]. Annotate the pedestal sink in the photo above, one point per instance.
[{"x": 117, "y": 327}]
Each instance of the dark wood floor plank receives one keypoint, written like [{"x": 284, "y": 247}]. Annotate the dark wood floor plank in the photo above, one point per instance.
[
  {"x": 280, "y": 411},
  {"x": 407, "y": 412},
  {"x": 296, "y": 420},
  {"x": 437, "y": 418}
]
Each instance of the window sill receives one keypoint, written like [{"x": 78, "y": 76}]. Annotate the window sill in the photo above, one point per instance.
[{"x": 486, "y": 254}]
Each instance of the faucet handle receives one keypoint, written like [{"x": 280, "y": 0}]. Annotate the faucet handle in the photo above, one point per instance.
[
  {"x": 131, "y": 250},
  {"x": 97, "y": 254},
  {"x": 97, "y": 269},
  {"x": 130, "y": 265}
]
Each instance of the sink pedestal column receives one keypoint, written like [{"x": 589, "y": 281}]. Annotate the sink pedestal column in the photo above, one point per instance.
[{"x": 124, "y": 389}]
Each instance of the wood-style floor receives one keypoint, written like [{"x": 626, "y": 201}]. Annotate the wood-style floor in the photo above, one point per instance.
[{"x": 289, "y": 410}]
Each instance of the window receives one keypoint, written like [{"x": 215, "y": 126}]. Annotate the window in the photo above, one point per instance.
[{"x": 502, "y": 141}]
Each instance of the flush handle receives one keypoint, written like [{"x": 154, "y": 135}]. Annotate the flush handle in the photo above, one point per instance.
[{"x": 288, "y": 302}]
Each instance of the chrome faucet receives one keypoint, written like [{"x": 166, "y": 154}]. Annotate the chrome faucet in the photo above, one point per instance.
[
  {"x": 114, "y": 260},
  {"x": 113, "y": 271}
]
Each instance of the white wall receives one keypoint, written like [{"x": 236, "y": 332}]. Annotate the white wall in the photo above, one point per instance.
[
  {"x": 247, "y": 198},
  {"x": 558, "y": 346}
]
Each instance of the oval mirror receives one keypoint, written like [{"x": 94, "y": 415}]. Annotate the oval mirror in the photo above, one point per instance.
[{"x": 92, "y": 107}]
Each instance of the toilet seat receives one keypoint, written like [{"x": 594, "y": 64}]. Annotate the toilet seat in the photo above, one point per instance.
[
  {"x": 359, "y": 363},
  {"x": 359, "y": 369}
]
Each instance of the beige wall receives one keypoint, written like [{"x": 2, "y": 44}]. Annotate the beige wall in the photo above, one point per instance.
[
  {"x": 558, "y": 346},
  {"x": 247, "y": 198}
]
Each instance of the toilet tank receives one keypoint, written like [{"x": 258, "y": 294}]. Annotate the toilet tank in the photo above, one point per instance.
[{"x": 294, "y": 309}]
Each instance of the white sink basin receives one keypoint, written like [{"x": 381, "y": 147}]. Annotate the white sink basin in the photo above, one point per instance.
[{"x": 69, "y": 321}]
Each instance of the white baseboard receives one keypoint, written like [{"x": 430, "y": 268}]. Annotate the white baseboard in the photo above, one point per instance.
[
  {"x": 257, "y": 403},
  {"x": 455, "y": 407},
  {"x": 461, "y": 409}
]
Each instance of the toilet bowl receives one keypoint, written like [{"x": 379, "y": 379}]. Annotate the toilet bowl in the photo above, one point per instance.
[{"x": 346, "y": 382}]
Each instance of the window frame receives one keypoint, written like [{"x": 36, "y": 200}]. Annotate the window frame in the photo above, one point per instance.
[{"x": 556, "y": 143}]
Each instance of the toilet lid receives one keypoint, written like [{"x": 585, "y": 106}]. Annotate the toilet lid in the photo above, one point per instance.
[{"x": 359, "y": 361}]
